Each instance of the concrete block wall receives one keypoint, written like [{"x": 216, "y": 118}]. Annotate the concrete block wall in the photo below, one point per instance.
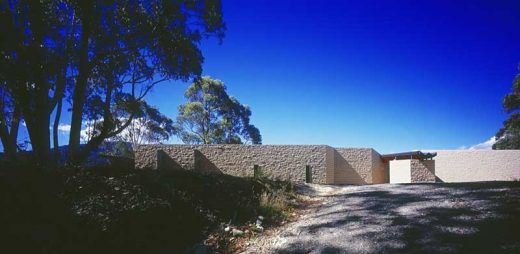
[
  {"x": 380, "y": 171},
  {"x": 477, "y": 165},
  {"x": 353, "y": 165},
  {"x": 412, "y": 171},
  {"x": 331, "y": 165},
  {"x": 422, "y": 171},
  {"x": 286, "y": 162}
]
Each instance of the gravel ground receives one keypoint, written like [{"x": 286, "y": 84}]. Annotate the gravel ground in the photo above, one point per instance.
[{"x": 402, "y": 218}]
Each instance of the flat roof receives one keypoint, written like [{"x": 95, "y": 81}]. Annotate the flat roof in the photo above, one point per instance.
[{"x": 408, "y": 155}]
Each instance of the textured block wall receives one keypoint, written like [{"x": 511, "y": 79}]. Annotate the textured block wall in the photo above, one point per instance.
[
  {"x": 422, "y": 171},
  {"x": 380, "y": 173},
  {"x": 285, "y": 162},
  {"x": 330, "y": 165},
  {"x": 353, "y": 165},
  {"x": 477, "y": 165}
]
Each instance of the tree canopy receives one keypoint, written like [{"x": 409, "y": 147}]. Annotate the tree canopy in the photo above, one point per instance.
[
  {"x": 508, "y": 137},
  {"x": 211, "y": 116},
  {"x": 150, "y": 127},
  {"x": 102, "y": 57}
]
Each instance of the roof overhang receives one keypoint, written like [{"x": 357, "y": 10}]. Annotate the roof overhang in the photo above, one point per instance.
[{"x": 408, "y": 155}]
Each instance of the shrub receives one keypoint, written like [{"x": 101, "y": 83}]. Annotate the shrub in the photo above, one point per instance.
[
  {"x": 110, "y": 209},
  {"x": 273, "y": 206}
]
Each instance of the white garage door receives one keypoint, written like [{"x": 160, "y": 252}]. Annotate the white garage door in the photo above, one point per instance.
[{"x": 400, "y": 171}]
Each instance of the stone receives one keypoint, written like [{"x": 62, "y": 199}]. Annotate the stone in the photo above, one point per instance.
[{"x": 237, "y": 232}]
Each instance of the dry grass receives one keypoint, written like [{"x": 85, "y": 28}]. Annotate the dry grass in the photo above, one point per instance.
[{"x": 274, "y": 207}]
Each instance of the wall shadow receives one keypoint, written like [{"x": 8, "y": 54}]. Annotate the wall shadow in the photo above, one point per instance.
[
  {"x": 165, "y": 162},
  {"x": 203, "y": 164},
  {"x": 345, "y": 171}
]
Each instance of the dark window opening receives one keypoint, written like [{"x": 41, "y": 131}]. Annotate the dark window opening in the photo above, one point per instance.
[
  {"x": 308, "y": 174},
  {"x": 257, "y": 171}
]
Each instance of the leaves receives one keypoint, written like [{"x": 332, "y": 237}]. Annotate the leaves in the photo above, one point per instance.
[
  {"x": 211, "y": 116},
  {"x": 110, "y": 53},
  {"x": 508, "y": 137}
]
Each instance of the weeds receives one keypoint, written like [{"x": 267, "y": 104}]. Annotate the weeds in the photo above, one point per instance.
[{"x": 274, "y": 206}]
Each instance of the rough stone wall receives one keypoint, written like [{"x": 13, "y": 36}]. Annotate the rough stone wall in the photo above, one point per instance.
[
  {"x": 380, "y": 172},
  {"x": 477, "y": 165},
  {"x": 422, "y": 171},
  {"x": 285, "y": 162},
  {"x": 353, "y": 165}
]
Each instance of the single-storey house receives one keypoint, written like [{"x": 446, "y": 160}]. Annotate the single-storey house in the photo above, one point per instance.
[{"x": 328, "y": 165}]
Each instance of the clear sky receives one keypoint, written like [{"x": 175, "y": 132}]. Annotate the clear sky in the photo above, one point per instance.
[{"x": 392, "y": 75}]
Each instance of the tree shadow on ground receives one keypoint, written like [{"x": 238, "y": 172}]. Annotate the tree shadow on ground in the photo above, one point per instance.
[{"x": 416, "y": 218}]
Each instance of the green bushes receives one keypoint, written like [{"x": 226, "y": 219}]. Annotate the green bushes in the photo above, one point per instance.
[
  {"x": 275, "y": 200},
  {"x": 273, "y": 207}
]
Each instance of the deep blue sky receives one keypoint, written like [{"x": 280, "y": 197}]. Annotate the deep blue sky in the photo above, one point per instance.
[{"x": 392, "y": 75}]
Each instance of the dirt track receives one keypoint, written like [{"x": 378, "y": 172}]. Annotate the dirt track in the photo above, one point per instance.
[{"x": 407, "y": 218}]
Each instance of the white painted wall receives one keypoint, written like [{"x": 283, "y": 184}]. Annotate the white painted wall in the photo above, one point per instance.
[
  {"x": 400, "y": 171},
  {"x": 477, "y": 165}
]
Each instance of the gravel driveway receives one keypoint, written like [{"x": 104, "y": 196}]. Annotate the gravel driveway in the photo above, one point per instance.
[{"x": 404, "y": 218}]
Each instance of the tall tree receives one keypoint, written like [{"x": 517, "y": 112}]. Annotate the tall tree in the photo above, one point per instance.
[
  {"x": 147, "y": 41},
  {"x": 508, "y": 137},
  {"x": 30, "y": 61},
  {"x": 211, "y": 116},
  {"x": 109, "y": 51},
  {"x": 150, "y": 126}
]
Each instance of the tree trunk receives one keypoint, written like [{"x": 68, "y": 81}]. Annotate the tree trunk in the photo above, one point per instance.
[
  {"x": 37, "y": 111},
  {"x": 38, "y": 128},
  {"x": 79, "y": 94},
  {"x": 55, "y": 130},
  {"x": 5, "y": 137},
  {"x": 58, "y": 101},
  {"x": 108, "y": 126}
]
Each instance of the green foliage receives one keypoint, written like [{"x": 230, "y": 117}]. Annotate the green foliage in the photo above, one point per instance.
[
  {"x": 101, "y": 56},
  {"x": 273, "y": 206},
  {"x": 508, "y": 137},
  {"x": 211, "y": 116},
  {"x": 274, "y": 201},
  {"x": 147, "y": 125}
]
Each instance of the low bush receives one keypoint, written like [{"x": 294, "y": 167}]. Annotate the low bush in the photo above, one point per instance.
[
  {"x": 108, "y": 209},
  {"x": 273, "y": 206}
]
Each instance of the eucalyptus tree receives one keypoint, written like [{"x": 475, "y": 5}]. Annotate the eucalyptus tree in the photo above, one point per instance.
[
  {"x": 31, "y": 61},
  {"x": 103, "y": 57},
  {"x": 136, "y": 45},
  {"x": 211, "y": 116},
  {"x": 508, "y": 137},
  {"x": 147, "y": 125}
]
